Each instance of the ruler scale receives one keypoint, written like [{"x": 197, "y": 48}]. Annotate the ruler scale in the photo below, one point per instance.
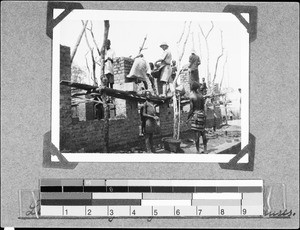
[{"x": 146, "y": 198}]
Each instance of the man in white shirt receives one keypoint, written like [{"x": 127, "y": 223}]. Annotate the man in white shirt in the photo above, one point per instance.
[
  {"x": 109, "y": 67},
  {"x": 166, "y": 71}
]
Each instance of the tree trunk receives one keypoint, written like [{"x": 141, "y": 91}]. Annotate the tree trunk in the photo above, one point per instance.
[
  {"x": 104, "y": 96},
  {"x": 176, "y": 126}
]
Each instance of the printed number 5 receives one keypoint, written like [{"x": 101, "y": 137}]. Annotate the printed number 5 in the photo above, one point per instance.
[{"x": 155, "y": 212}]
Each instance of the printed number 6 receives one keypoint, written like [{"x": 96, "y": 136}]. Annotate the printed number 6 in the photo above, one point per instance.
[{"x": 178, "y": 212}]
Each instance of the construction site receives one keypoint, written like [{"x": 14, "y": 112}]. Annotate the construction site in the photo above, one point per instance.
[{"x": 119, "y": 130}]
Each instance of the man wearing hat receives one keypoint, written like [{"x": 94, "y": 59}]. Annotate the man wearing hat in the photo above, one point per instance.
[
  {"x": 193, "y": 66},
  {"x": 165, "y": 65}
]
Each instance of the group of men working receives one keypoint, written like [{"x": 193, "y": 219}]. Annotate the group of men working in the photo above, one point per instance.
[{"x": 164, "y": 70}]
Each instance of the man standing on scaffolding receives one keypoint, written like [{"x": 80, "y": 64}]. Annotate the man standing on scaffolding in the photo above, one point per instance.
[{"x": 165, "y": 66}]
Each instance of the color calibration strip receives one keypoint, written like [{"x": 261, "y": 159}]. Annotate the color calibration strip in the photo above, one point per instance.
[{"x": 148, "y": 198}]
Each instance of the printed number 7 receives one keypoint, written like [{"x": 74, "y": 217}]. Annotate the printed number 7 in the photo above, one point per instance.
[{"x": 199, "y": 211}]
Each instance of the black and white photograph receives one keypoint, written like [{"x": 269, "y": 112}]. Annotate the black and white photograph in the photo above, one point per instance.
[{"x": 143, "y": 86}]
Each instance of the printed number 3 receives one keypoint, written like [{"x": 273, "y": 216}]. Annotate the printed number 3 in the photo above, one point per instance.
[{"x": 111, "y": 212}]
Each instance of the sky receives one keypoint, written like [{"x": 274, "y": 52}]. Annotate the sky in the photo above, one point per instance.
[{"x": 127, "y": 36}]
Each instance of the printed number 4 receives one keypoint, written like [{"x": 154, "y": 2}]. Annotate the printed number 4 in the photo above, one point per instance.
[{"x": 133, "y": 212}]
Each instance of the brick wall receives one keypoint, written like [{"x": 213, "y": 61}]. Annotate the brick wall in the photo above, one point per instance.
[{"x": 88, "y": 136}]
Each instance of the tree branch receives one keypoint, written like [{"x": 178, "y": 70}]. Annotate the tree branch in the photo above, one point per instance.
[
  {"x": 91, "y": 30},
  {"x": 212, "y": 26},
  {"x": 78, "y": 42},
  {"x": 223, "y": 70},
  {"x": 217, "y": 63},
  {"x": 182, "y": 33}
]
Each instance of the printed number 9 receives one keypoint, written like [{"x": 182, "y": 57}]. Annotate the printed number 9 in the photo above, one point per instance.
[
  {"x": 178, "y": 212},
  {"x": 244, "y": 211}
]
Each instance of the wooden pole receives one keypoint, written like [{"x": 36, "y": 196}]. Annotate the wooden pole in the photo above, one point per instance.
[{"x": 104, "y": 96}]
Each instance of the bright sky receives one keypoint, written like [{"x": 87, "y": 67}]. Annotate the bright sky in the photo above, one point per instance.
[{"x": 127, "y": 36}]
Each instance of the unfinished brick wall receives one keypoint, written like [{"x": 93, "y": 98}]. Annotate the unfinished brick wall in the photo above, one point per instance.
[{"x": 88, "y": 136}]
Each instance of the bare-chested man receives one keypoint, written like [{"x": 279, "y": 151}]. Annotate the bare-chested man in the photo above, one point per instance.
[{"x": 197, "y": 112}]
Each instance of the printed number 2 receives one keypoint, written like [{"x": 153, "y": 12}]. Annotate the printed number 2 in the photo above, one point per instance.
[{"x": 89, "y": 211}]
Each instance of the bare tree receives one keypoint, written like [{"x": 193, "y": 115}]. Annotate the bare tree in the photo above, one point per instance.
[
  {"x": 207, "y": 50},
  {"x": 92, "y": 57},
  {"x": 104, "y": 96},
  {"x": 78, "y": 41},
  {"x": 176, "y": 98}
]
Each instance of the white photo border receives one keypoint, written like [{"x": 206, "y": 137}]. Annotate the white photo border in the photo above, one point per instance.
[{"x": 151, "y": 16}]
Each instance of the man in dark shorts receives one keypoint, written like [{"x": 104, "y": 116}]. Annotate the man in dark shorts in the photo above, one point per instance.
[
  {"x": 197, "y": 112},
  {"x": 150, "y": 117},
  {"x": 109, "y": 64},
  {"x": 194, "y": 61}
]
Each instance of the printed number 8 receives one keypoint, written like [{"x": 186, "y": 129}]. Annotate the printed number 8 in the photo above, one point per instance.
[{"x": 222, "y": 212}]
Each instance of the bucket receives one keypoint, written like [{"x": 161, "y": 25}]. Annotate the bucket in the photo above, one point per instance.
[{"x": 171, "y": 144}]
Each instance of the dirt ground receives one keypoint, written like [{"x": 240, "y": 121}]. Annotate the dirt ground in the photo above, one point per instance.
[{"x": 225, "y": 137}]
